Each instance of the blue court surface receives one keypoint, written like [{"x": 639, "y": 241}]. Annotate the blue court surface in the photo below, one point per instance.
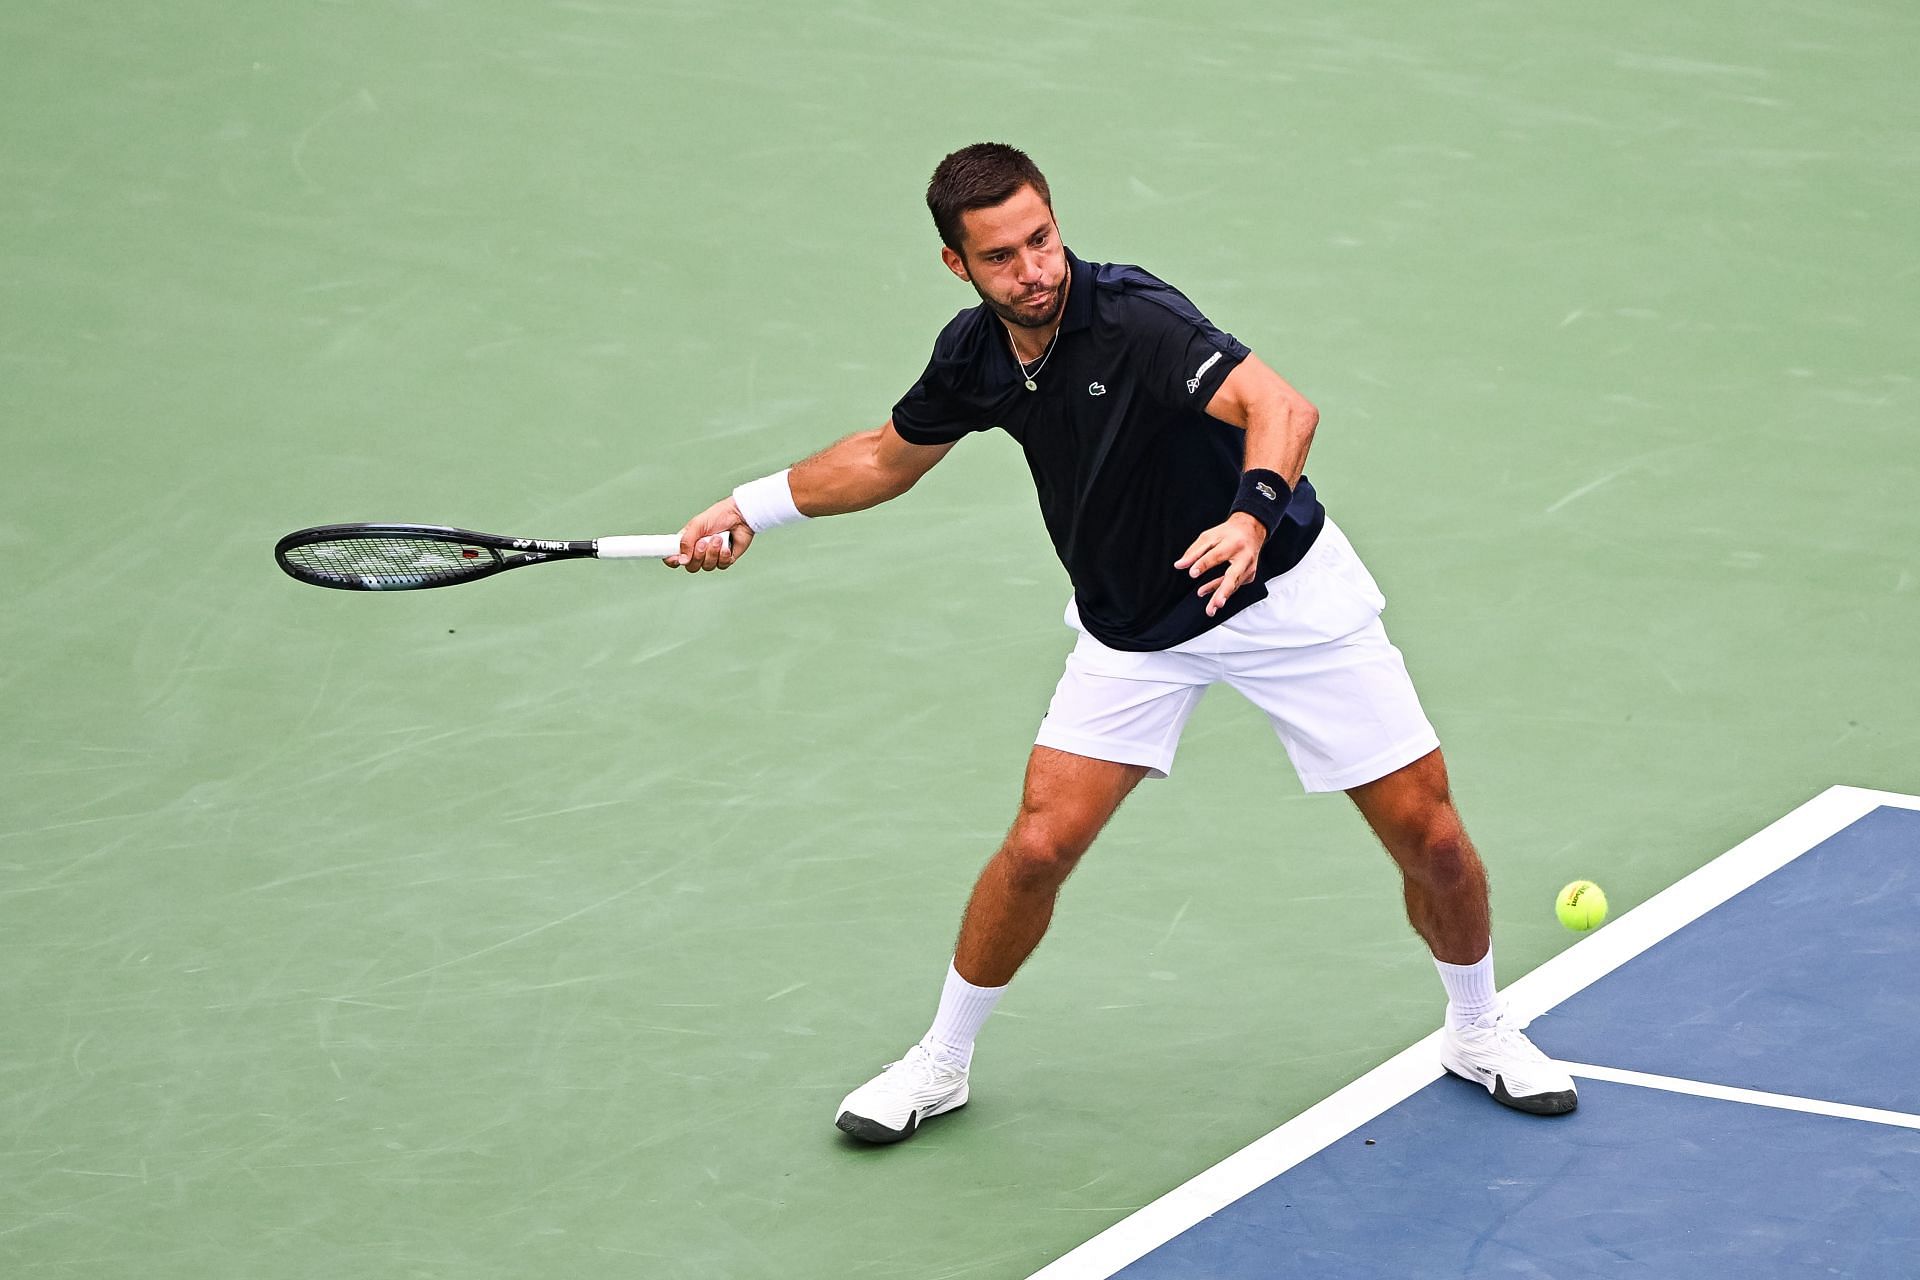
[{"x": 1747, "y": 1046}]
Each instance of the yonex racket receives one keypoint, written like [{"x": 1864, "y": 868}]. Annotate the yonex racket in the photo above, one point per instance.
[{"x": 413, "y": 557}]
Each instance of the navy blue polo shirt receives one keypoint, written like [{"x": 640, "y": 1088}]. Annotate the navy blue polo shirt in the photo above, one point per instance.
[{"x": 1128, "y": 465}]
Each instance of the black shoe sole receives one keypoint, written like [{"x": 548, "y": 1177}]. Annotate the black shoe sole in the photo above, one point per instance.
[
  {"x": 1536, "y": 1104},
  {"x": 873, "y": 1131}
]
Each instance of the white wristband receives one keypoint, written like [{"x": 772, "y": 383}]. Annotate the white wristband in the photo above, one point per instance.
[{"x": 767, "y": 502}]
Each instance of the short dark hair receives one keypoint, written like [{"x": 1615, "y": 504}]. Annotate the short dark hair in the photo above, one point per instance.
[{"x": 979, "y": 177}]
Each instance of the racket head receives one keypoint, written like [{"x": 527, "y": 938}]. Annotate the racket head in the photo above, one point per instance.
[{"x": 396, "y": 557}]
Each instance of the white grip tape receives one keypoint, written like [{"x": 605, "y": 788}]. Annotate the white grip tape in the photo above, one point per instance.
[{"x": 645, "y": 546}]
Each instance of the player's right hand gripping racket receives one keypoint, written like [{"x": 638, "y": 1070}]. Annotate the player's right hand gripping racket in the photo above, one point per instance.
[{"x": 413, "y": 557}]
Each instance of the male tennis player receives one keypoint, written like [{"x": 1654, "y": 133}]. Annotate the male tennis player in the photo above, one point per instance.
[{"x": 1169, "y": 462}]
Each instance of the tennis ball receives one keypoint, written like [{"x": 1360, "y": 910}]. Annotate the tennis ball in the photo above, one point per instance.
[{"x": 1581, "y": 906}]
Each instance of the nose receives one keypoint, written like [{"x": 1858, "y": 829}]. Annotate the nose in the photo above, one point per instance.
[{"x": 1032, "y": 267}]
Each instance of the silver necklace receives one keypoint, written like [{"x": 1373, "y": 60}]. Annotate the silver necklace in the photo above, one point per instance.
[{"x": 1044, "y": 357}]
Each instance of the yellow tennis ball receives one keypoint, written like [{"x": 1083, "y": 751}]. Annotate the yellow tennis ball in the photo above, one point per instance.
[{"x": 1581, "y": 906}]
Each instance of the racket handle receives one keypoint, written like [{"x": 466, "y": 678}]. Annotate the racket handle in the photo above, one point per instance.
[{"x": 645, "y": 546}]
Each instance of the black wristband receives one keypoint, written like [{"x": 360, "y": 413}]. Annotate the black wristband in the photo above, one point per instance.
[{"x": 1264, "y": 496}]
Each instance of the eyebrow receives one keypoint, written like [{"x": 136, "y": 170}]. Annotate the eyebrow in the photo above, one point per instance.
[{"x": 989, "y": 250}]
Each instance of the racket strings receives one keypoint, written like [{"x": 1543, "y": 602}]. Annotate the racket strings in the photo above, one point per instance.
[{"x": 390, "y": 561}]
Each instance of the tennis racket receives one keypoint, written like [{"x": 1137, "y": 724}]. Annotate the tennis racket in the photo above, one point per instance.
[{"x": 414, "y": 557}]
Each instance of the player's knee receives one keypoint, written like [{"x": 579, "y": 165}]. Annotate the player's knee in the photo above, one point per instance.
[
  {"x": 1040, "y": 853},
  {"x": 1440, "y": 856}
]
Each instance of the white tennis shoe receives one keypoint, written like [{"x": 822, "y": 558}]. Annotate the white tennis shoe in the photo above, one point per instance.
[
  {"x": 1493, "y": 1052},
  {"x": 893, "y": 1104}
]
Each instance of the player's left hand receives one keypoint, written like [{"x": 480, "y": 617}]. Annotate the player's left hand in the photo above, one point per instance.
[{"x": 1236, "y": 544}]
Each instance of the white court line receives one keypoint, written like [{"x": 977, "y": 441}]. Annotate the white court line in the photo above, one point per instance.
[
  {"x": 1411, "y": 1070},
  {"x": 1781, "y": 1101},
  {"x": 1680, "y": 904}
]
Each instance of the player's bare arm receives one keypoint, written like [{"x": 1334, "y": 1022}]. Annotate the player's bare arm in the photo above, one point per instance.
[
  {"x": 1279, "y": 423},
  {"x": 862, "y": 470}
]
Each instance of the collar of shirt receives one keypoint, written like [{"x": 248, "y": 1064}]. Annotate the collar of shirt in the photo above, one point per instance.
[{"x": 1079, "y": 313}]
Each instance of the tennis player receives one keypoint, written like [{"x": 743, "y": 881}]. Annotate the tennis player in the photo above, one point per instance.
[{"x": 1169, "y": 462}]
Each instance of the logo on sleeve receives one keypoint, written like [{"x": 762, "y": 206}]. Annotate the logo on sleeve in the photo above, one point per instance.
[
  {"x": 1096, "y": 388},
  {"x": 1193, "y": 383}
]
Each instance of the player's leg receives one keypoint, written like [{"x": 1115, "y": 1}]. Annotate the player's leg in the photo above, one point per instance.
[
  {"x": 1412, "y": 811},
  {"x": 1115, "y": 719},
  {"x": 1065, "y": 801},
  {"x": 1067, "y": 798},
  {"x": 1318, "y": 661}
]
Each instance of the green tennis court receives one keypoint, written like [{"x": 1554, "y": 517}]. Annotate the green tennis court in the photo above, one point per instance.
[{"x": 536, "y": 927}]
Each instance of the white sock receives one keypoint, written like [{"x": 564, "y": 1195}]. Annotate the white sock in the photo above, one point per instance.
[
  {"x": 963, "y": 1010},
  {"x": 1470, "y": 992}
]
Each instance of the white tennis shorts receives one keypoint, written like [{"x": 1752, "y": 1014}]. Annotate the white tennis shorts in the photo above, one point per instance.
[{"x": 1312, "y": 655}]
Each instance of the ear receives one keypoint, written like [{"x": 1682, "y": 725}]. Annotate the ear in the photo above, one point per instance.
[{"x": 955, "y": 263}]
